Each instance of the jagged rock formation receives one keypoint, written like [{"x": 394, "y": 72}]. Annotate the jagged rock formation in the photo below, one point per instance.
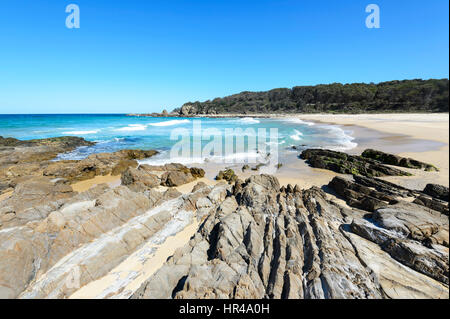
[
  {"x": 93, "y": 231},
  {"x": 343, "y": 163},
  {"x": 372, "y": 193},
  {"x": 411, "y": 233},
  {"x": 251, "y": 239},
  {"x": 396, "y": 160},
  {"x": 267, "y": 242}
]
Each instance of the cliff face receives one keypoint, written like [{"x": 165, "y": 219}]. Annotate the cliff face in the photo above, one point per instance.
[{"x": 394, "y": 96}]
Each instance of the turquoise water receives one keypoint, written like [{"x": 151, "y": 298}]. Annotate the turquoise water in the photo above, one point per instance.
[{"x": 113, "y": 132}]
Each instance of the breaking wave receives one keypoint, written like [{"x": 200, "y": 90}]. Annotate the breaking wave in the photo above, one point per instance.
[
  {"x": 132, "y": 127},
  {"x": 297, "y": 136},
  {"x": 169, "y": 123},
  {"x": 81, "y": 132},
  {"x": 299, "y": 121},
  {"x": 248, "y": 120}
]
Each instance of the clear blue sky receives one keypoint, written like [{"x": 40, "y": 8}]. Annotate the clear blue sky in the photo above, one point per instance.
[{"x": 143, "y": 56}]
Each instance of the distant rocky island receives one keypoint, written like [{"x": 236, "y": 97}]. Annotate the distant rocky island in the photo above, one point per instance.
[{"x": 405, "y": 96}]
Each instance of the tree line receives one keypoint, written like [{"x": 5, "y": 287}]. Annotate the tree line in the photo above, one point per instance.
[{"x": 393, "y": 96}]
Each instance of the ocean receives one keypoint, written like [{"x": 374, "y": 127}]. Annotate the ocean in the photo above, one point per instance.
[{"x": 113, "y": 132}]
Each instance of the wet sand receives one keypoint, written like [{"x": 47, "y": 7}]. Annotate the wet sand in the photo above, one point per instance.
[
  {"x": 424, "y": 137},
  {"x": 82, "y": 186}
]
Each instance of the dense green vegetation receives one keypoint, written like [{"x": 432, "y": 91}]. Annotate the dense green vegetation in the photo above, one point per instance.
[{"x": 393, "y": 96}]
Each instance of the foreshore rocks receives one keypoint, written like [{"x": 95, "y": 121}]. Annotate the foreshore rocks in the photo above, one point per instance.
[
  {"x": 437, "y": 191},
  {"x": 63, "y": 143},
  {"x": 255, "y": 239},
  {"x": 227, "y": 175},
  {"x": 92, "y": 233},
  {"x": 241, "y": 239},
  {"x": 371, "y": 193},
  {"x": 371, "y": 163},
  {"x": 396, "y": 160},
  {"x": 22, "y": 160},
  {"x": 96, "y": 164},
  {"x": 32, "y": 200},
  {"x": 264, "y": 241},
  {"x": 169, "y": 175}
]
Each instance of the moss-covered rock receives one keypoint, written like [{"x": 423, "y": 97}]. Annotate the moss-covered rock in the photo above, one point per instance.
[
  {"x": 227, "y": 175},
  {"x": 391, "y": 159},
  {"x": 349, "y": 164}
]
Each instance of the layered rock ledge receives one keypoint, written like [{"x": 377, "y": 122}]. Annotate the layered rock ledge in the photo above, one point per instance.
[
  {"x": 358, "y": 237},
  {"x": 264, "y": 241}
]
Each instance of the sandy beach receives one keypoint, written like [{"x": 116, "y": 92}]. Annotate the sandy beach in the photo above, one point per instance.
[
  {"x": 89, "y": 183},
  {"x": 424, "y": 137}
]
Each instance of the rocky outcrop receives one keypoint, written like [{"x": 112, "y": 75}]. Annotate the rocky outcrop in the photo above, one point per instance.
[
  {"x": 87, "y": 237},
  {"x": 21, "y": 160},
  {"x": 63, "y": 143},
  {"x": 245, "y": 239},
  {"x": 252, "y": 239},
  {"x": 396, "y": 160},
  {"x": 437, "y": 191},
  {"x": 32, "y": 200},
  {"x": 139, "y": 179},
  {"x": 227, "y": 175},
  {"x": 371, "y": 193},
  {"x": 97, "y": 164},
  {"x": 92, "y": 234},
  {"x": 348, "y": 164},
  {"x": 169, "y": 175},
  {"x": 188, "y": 109},
  {"x": 264, "y": 241}
]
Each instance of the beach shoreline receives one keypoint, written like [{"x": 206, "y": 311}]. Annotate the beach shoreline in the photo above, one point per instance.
[
  {"x": 421, "y": 136},
  {"x": 138, "y": 222}
]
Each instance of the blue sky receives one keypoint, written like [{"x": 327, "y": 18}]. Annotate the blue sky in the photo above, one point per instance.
[{"x": 143, "y": 56}]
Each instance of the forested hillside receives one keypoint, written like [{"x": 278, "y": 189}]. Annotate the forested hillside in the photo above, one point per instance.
[{"x": 393, "y": 96}]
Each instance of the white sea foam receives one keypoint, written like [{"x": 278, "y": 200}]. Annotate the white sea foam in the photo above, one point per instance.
[
  {"x": 298, "y": 121},
  {"x": 81, "y": 132},
  {"x": 243, "y": 157},
  {"x": 133, "y": 127},
  {"x": 169, "y": 123},
  {"x": 248, "y": 120},
  {"x": 344, "y": 139},
  {"x": 297, "y": 136}
]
